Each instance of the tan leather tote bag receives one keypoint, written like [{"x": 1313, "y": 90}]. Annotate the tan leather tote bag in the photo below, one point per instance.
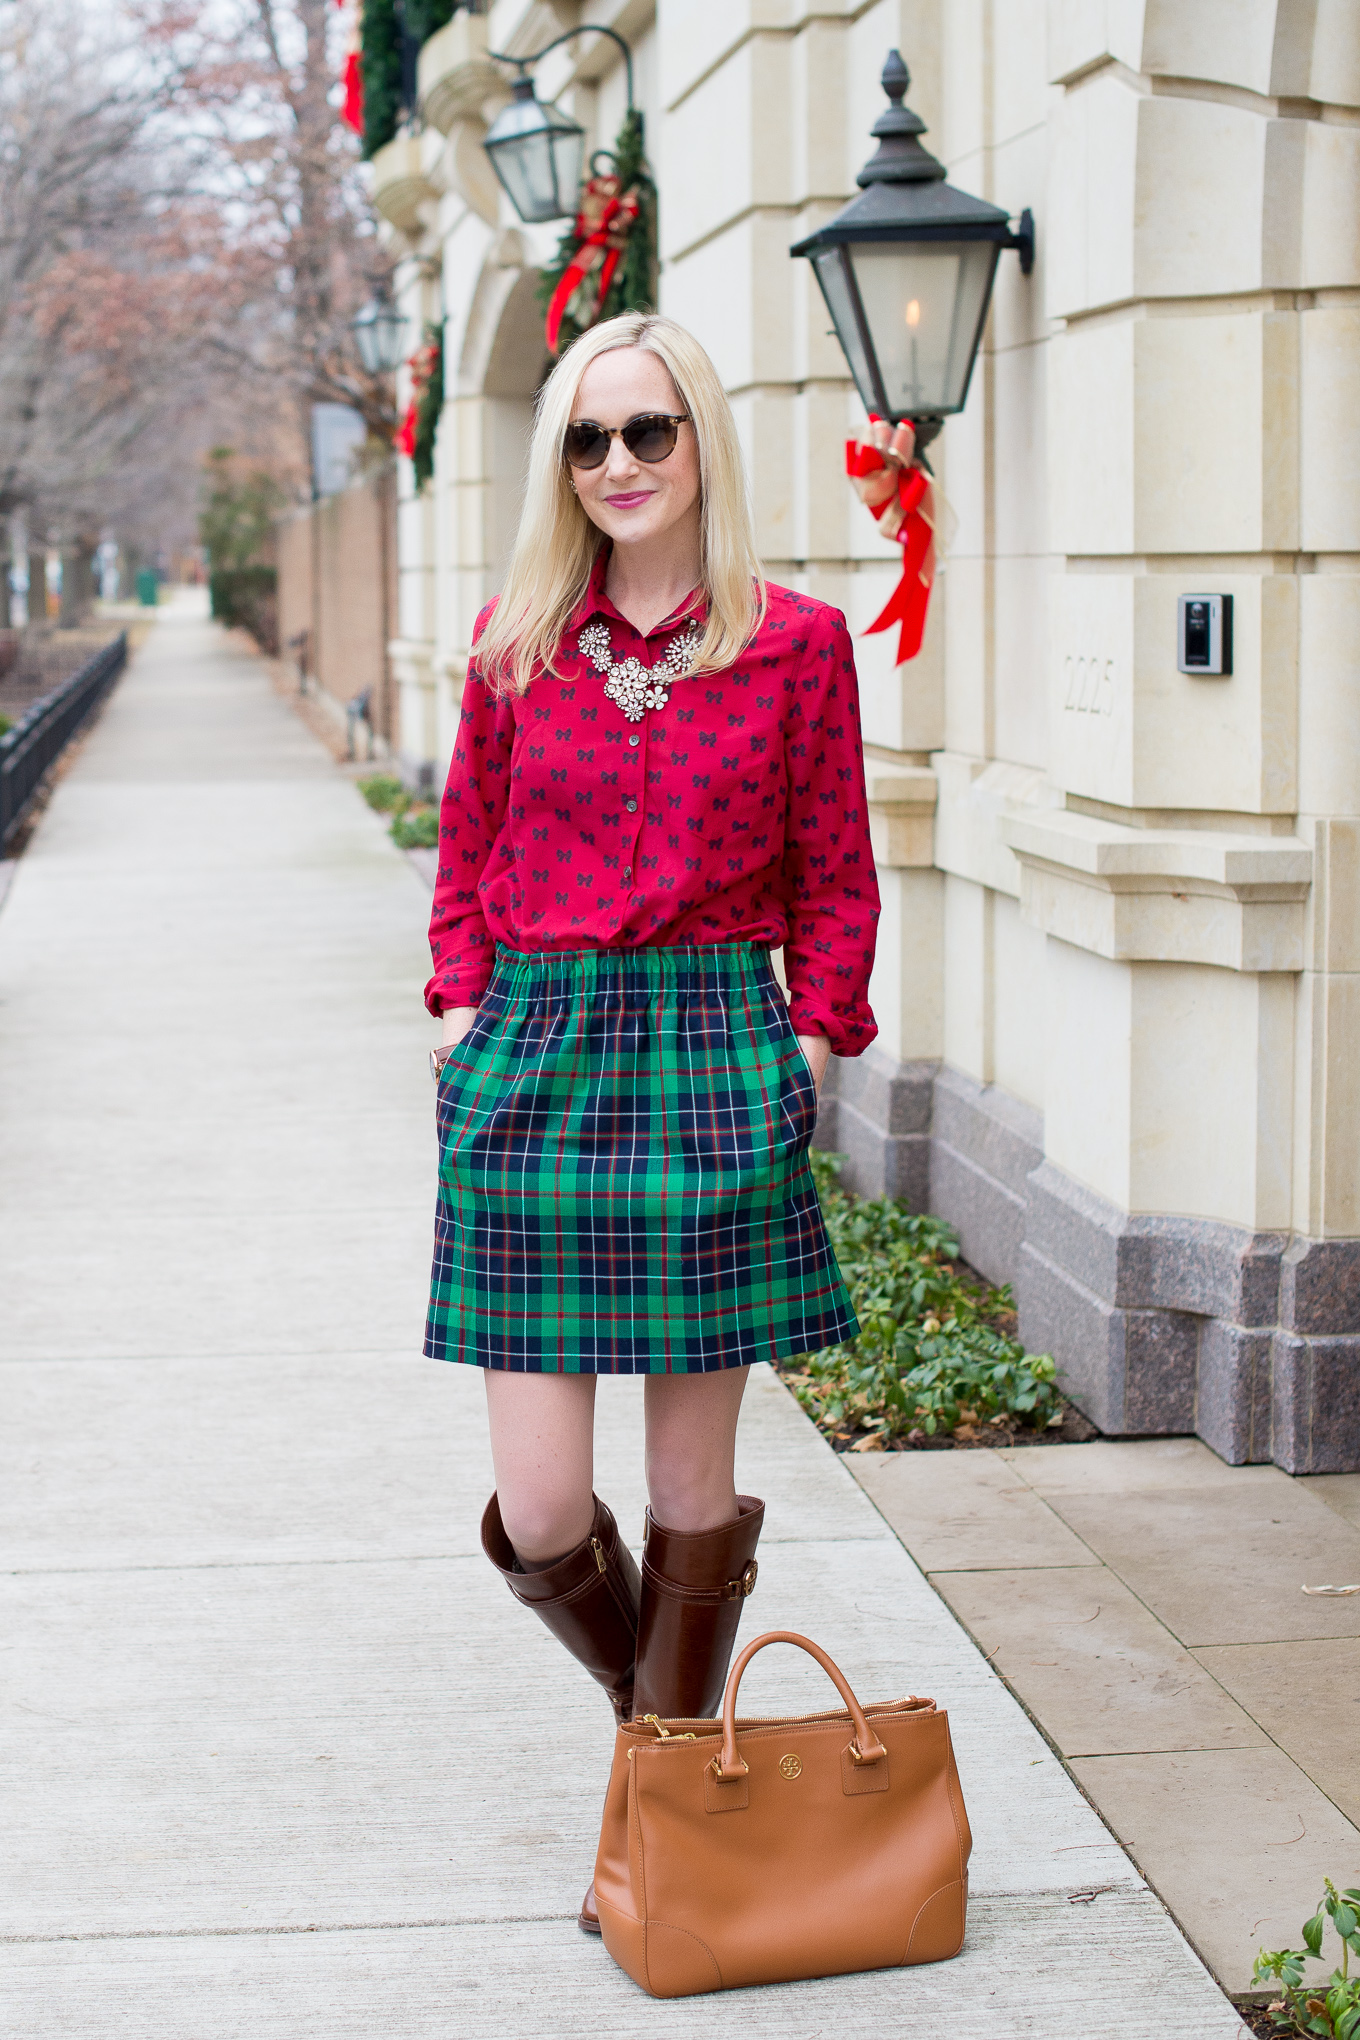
[{"x": 761, "y": 1850}]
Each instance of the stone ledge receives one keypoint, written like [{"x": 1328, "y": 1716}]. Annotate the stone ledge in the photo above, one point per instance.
[
  {"x": 401, "y": 188},
  {"x": 454, "y": 74},
  {"x": 974, "y": 796},
  {"x": 902, "y": 818},
  {"x": 1163, "y": 895}
]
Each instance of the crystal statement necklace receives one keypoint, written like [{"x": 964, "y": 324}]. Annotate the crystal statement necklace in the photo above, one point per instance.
[{"x": 636, "y": 687}]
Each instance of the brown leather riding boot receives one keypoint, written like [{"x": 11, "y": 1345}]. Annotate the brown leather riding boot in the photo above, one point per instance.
[
  {"x": 693, "y": 1586},
  {"x": 589, "y": 1599}
]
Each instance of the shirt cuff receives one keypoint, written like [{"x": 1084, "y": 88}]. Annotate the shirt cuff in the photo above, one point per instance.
[
  {"x": 458, "y": 987},
  {"x": 849, "y": 1030}
]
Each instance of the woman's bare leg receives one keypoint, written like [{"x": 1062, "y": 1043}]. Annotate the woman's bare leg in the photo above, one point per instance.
[
  {"x": 543, "y": 1449},
  {"x": 691, "y": 1447}
]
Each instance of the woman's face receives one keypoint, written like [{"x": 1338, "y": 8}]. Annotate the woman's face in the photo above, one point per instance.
[{"x": 629, "y": 499}]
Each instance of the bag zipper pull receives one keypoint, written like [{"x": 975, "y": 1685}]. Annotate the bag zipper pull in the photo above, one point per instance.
[{"x": 665, "y": 1733}]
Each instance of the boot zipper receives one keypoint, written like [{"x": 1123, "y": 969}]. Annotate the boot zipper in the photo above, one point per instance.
[{"x": 598, "y": 1550}]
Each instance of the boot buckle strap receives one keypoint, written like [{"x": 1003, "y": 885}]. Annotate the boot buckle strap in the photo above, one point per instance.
[{"x": 738, "y": 1589}]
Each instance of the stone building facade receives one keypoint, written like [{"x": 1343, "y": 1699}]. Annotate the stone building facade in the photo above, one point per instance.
[{"x": 1119, "y": 975}]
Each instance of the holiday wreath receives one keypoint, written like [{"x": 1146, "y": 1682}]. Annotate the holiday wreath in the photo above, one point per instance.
[
  {"x": 416, "y": 433},
  {"x": 606, "y": 259}
]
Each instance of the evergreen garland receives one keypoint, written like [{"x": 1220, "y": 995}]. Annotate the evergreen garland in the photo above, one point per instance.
[
  {"x": 423, "y": 17},
  {"x": 380, "y": 61},
  {"x": 429, "y": 404},
  {"x": 633, "y": 288}
]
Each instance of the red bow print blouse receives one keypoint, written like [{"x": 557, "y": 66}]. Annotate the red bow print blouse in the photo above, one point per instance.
[{"x": 736, "y": 813}]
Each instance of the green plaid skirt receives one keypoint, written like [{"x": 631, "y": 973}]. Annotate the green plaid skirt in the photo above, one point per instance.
[{"x": 623, "y": 1175}]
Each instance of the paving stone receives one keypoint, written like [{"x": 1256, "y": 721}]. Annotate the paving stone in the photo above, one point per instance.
[
  {"x": 957, "y": 1510},
  {"x": 1225, "y": 1564},
  {"x": 1108, "y": 1466},
  {"x": 1340, "y": 1491},
  {"x": 1092, "y": 1664},
  {"x": 1308, "y": 1699},
  {"x": 1246, "y": 1870}
]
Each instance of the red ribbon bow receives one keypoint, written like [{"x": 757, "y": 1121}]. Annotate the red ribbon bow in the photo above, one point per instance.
[
  {"x": 901, "y": 498},
  {"x": 421, "y": 365},
  {"x": 603, "y": 225}
]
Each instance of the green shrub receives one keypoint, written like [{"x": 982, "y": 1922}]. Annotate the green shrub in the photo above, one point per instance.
[
  {"x": 1331, "y": 2009},
  {"x": 933, "y": 1351},
  {"x": 384, "y": 792},
  {"x": 416, "y": 829},
  {"x": 247, "y": 597},
  {"x": 6, "y": 725}
]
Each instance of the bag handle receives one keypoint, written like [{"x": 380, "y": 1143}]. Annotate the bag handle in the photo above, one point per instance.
[{"x": 865, "y": 1748}]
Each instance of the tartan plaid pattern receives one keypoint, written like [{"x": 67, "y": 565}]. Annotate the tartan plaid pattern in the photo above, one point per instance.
[{"x": 623, "y": 1176}]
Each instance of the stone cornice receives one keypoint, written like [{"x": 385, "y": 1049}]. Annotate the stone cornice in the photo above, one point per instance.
[
  {"x": 1162, "y": 895},
  {"x": 902, "y": 817}
]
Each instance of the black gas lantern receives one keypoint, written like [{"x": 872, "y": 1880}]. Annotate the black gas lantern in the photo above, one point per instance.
[
  {"x": 906, "y": 270},
  {"x": 536, "y": 148}
]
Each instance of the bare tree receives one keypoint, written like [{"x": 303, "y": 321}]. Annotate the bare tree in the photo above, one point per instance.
[
  {"x": 184, "y": 239},
  {"x": 259, "y": 93}
]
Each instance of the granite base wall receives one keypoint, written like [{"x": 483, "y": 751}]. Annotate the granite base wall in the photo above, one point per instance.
[{"x": 1160, "y": 1325}]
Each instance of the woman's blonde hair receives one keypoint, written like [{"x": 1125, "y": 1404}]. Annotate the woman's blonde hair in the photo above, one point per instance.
[{"x": 556, "y": 545}]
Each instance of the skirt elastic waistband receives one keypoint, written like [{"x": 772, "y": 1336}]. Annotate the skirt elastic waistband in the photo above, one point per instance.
[{"x": 726, "y": 962}]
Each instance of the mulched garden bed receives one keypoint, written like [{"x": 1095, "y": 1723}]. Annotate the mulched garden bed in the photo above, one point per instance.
[
  {"x": 1074, "y": 1429},
  {"x": 1256, "y": 2018}
]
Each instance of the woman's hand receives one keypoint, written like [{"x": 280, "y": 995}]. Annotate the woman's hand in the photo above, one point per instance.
[
  {"x": 817, "y": 1049},
  {"x": 457, "y": 1020}
]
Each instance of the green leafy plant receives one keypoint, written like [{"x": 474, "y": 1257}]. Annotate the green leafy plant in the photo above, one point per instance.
[
  {"x": 236, "y": 526},
  {"x": 416, "y": 829},
  {"x": 935, "y": 1354},
  {"x": 237, "y": 512},
  {"x": 6, "y": 725},
  {"x": 246, "y": 598},
  {"x": 384, "y": 792},
  {"x": 415, "y": 822},
  {"x": 1331, "y": 2009}
]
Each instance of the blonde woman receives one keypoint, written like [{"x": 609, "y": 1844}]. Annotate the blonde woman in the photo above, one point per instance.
[{"x": 658, "y": 779}]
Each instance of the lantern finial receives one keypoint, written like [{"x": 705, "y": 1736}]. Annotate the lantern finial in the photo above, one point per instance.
[
  {"x": 896, "y": 78},
  {"x": 900, "y": 158}
]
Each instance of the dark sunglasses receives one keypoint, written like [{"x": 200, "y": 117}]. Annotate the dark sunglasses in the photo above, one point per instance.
[{"x": 649, "y": 437}]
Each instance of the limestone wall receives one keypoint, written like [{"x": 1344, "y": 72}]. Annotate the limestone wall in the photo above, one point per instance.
[{"x": 1119, "y": 976}]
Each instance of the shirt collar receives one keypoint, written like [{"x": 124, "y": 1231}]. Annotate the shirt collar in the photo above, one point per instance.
[{"x": 596, "y": 603}]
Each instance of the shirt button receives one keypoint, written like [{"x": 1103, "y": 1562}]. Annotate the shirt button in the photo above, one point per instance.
[
  {"x": 631, "y": 806},
  {"x": 635, "y": 741},
  {"x": 628, "y": 871}
]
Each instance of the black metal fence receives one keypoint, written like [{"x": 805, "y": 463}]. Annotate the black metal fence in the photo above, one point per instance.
[{"x": 30, "y": 750}]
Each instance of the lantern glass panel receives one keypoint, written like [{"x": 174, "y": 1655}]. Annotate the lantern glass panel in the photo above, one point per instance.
[
  {"x": 923, "y": 303},
  {"x": 535, "y": 150},
  {"x": 380, "y": 335},
  {"x": 834, "y": 277}
]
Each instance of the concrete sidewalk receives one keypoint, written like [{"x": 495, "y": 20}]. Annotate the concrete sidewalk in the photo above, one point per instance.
[{"x": 282, "y": 1759}]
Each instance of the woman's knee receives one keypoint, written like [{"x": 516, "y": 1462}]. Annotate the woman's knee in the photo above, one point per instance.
[
  {"x": 544, "y": 1523},
  {"x": 541, "y": 1444}
]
